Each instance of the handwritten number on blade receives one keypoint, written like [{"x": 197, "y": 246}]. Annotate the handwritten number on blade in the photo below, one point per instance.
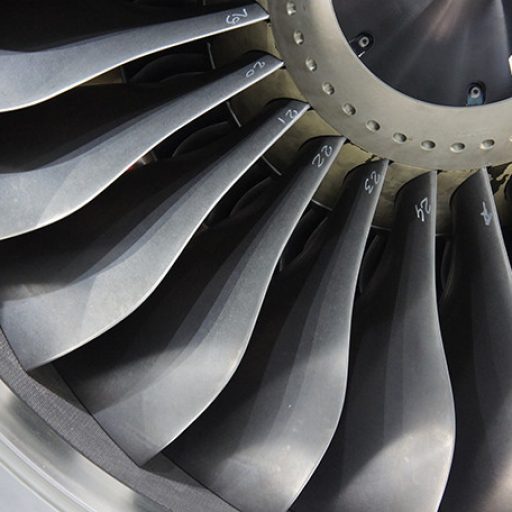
[
  {"x": 486, "y": 214},
  {"x": 290, "y": 115},
  {"x": 371, "y": 182},
  {"x": 236, "y": 17},
  {"x": 321, "y": 156},
  {"x": 257, "y": 65},
  {"x": 423, "y": 209}
]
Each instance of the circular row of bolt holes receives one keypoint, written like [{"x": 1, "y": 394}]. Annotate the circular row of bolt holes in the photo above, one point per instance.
[
  {"x": 373, "y": 126},
  {"x": 401, "y": 138}
]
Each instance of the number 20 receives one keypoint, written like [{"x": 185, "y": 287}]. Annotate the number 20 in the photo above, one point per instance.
[
  {"x": 258, "y": 65},
  {"x": 236, "y": 17}
]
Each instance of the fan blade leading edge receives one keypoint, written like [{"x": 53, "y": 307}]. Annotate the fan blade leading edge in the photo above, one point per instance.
[
  {"x": 161, "y": 369},
  {"x": 261, "y": 440},
  {"x": 57, "y": 157},
  {"x": 476, "y": 318},
  {"x": 393, "y": 448},
  {"x": 65, "y": 285},
  {"x": 32, "y": 76}
]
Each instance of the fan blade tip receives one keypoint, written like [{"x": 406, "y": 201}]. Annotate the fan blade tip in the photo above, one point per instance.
[{"x": 425, "y": 181}]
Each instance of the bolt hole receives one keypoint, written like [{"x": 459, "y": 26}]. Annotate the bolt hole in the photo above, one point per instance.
[
  {"x": 458, "y": 147},
  {"x": 373, "y": 126},
  {"x": 291, "y": 8},
  {"x": 400, "y": 138},
  {"x": 487, "y": 144},
  {"x": 298, "y": 37},
  {"x": 328, "y": 88},
  {"x": 349, "y": 109},
  {"x": 311, "y": 64},
  {"x": 428, "y": 145}
]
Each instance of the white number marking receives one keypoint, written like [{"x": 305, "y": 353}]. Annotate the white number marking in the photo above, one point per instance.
[
  {"x": 289, "y": 115},
  {"x": 371, "y": 182},
  {"x": 321, "y": 157},
  {"x": 257, "y": 65},
  {"x": 236, "y": 17},
  {"x": 486, "y": 214},
  {"x": 423, "y": 209}
]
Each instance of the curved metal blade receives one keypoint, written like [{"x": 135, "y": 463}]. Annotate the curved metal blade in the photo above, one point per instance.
[
  {"x": 309, "y": 226},
  {"x": 162, "y": 368},
  {"x": 159, "y": 69},
  {"x": 81, "y": 142},
  {"x": 393, "y": 448},
  {"x": 372, "y": 256},
  {"x": 30, "y": 76},
  {"x": 68, "y": 284},
  {"x": 278, "y": 414},
  {"x": 259, "y": 173},
  {"x": 476, "y": 318}
]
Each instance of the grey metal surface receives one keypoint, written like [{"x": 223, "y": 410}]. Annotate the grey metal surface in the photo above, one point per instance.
[
  {"x": 476, "y": 317},
  {"x": 36, "y": 70},
  {"x": 393, "y": 448},
  {"x": 56, "y": 157},
  {"x": 54, "y": 403},
  {"x": 65, "y": 285},
  {"x": 16, "y": 495},
  {"x": 56, "y": 474},
  {"x": 147, "y": 381},
  {"x": 262, "y": 439},
  {"x": 372, "y": 114},
  {"x": 372, "y": 256},
  {"x": 434, "y": 51},
  {"x": 304, "y": 234}
]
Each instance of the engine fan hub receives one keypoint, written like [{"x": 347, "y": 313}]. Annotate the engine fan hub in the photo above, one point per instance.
[
  {"x": 428, "y": 103},
  {"x": 447, "y": 52}
]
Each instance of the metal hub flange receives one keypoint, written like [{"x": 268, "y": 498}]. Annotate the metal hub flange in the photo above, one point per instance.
[
  {"x": 371, "y": 113},
  {"x": 449, "y": 52}
]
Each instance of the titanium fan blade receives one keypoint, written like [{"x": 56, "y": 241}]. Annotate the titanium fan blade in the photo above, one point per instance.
[
  {"x": 150, "y": 378},
  {"x": 372, "y": 256},
  {"x": 33, "y": 75},
  {"x": 278, "y": 414},
  {"x": 159, "y": 69},
  {"x": 70, "y": 282},
  {"x": 309, "y": 224},
  {"x": 393, "y": 448},
  {"x": 476, "y": 318},
  {"x": 83, "y": 141}
]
